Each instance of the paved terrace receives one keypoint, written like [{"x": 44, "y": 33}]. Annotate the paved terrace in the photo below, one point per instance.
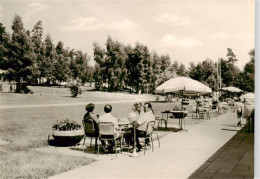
[
  {"x": 234, "y": 160},
  {"x": 203, "y": 150}
]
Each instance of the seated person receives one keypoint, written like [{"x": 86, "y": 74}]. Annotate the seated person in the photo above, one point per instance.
[
  {"x": 137, "y": 111},
  {"x": 137, "y": 107},
  {"x": 91, "y": 116},
  {"x": 108, "y": 117},
  {"x": 141, "y": 123}
]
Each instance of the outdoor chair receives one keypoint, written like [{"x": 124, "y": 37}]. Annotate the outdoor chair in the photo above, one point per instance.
[
  {"x": 161, "y": 121},
  {"x": 149, "y": 134},
  {"x": 202, "y": 112},
  {"x": 106, "y": 133},
  {"x": 194, "y": 111},
  {"x": 91, "y": 130},
  {"x": 214, "y": 108},
  {"x": 156, "y": 129}
]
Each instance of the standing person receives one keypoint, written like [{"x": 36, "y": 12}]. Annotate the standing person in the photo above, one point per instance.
[
  {"x": 141, "y": 123},
  {"x": 108, "y": 117},
  {"x": 239, "y": 109}
]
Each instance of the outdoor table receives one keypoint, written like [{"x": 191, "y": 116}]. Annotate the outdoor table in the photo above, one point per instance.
[
  {"x": 179, "y": 115},
  {"x": 123, "y": 125},
  {"x": 167, "y": 112}
]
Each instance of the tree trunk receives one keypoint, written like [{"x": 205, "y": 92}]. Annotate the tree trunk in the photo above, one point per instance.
[{"x": 18, "y": 87}]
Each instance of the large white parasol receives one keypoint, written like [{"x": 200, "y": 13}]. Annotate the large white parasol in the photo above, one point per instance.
[
  {"x": 232, "y": 89},
  {"x": 248, "y": 97},
  {"x": 185, "y": 86}
]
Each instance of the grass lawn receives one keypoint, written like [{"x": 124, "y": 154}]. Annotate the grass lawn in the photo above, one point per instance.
[{"x": 27, "y": 128}]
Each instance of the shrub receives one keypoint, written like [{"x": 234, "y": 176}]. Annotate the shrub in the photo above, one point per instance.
[
  {"x": 75, "y": 90},
  {"x": 66, "y": 125}
]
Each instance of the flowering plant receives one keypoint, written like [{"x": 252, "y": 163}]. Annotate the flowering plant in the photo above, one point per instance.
[
  {"x": 176, "y": 108},
  {"x": 66, "y": 125}
]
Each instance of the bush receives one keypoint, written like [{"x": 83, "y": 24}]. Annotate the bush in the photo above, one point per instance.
[
  {"x": 66, "y": 125},
  {"x": 75, "y": 90}
]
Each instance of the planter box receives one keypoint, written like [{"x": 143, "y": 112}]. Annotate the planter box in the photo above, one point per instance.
[
  {"x": 179, "y": 114},
  {"x": 67, "y": 138},
  {"x": 185, "y": 102}
]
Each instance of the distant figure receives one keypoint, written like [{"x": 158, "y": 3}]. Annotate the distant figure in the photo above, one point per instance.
[
  {"x": 108, "y": 117},
  {"x": 239, "y": 109}
]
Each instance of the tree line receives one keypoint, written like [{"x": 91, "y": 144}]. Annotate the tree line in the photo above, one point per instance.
[{"x": 29, "y": 58}]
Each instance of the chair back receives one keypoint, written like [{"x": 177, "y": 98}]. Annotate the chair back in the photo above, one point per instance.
[
  {"x": 150, "y": 127},
  {"x": 106, "y": 129},
  {"x": 201, "y": 109},
  {"x": 89, "y": 128}
]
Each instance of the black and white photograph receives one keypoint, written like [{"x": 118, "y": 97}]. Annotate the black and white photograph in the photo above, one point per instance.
[{"x": 128, "y": 89}]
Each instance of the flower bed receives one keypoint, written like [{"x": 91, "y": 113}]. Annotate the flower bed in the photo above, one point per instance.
[
  {"x": 67, "y": 133},
  {"x": 67, "y": 138}
]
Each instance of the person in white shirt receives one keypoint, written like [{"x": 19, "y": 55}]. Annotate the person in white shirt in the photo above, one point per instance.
[
  {"x": 141, "y": 123},
  {"x": 108, "y": 117}
]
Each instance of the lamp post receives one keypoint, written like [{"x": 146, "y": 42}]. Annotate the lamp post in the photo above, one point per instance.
[{"x": 219, "y": 77}]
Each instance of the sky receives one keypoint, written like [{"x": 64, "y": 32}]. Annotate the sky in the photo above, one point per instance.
[{"x": 187, "y": 30}]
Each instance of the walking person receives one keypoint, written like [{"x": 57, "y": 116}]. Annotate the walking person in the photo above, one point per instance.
[{"x": 239, "y": 109}]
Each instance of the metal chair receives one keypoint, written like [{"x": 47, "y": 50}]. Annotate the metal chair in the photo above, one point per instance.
[
  {"x": 156, "y": 126},
  {"x": 194, "y": 111},
  {"x": 107, "y": 133},
  {"x": 149, "y": 134},
  {"x": 91, "y": 130},
  {"x": 214, "y": 108},
  {"x": 161, "y": 120},
  {"x": 201, "y": 111}
]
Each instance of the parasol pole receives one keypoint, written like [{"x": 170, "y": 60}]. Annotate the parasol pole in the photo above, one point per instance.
[
  {"x": 181, "y": 99},
  {"x": 220, "y": 78},
  {"x": 135, "y": 154}
]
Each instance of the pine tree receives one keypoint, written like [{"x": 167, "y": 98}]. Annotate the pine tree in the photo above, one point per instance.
[
  {"x": 5, "y": 43},
  {"x": 37, "y": 34},
  {"x": 22, "y": 56}
]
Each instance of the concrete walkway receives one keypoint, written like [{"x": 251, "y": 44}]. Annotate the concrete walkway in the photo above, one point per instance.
[
  {"x": 180, "y": 155},
  {"x": 234, "y": 160}
]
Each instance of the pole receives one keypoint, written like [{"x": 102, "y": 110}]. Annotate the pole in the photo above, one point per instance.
[
  {"x": 220, "y": 78},
  {"x": 217, "y": 82},
  {"x": 135, "y": 154}
]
